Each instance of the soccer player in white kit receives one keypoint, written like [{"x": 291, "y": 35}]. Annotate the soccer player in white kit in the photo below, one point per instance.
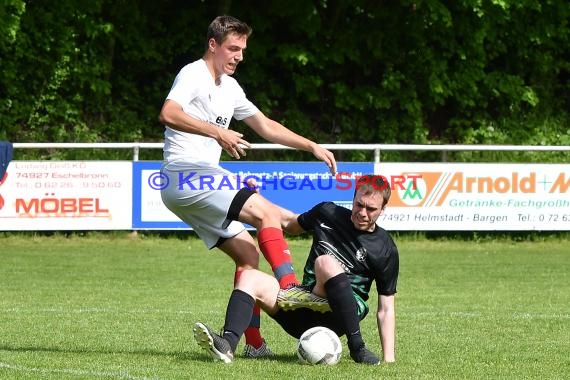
[{"x": 197, "y": 114}]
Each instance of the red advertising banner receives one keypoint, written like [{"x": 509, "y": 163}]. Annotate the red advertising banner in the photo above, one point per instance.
[{"x": 66, "y": 195}]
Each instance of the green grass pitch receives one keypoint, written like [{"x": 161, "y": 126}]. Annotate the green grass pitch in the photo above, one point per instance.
[{"x": 107, "y": 306}]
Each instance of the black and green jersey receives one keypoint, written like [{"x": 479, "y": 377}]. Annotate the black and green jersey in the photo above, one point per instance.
[{"x": 365, "y": 256}]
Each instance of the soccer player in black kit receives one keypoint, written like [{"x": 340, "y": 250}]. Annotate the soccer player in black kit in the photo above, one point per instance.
[{"x": 348, "y": 253}]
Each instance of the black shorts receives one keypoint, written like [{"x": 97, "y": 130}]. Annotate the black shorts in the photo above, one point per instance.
[{"x": 296, "y": 322}]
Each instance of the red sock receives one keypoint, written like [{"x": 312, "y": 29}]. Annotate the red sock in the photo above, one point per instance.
[
  {"x": 276, "y": 252},
  {"x": 252, "y": 333}
]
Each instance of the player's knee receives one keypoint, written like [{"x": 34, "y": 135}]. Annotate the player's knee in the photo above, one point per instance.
[
  {"x": 328, "y": 265},
  {"x": 255, "y": 282},
  {"x": 246, "y": 279}
]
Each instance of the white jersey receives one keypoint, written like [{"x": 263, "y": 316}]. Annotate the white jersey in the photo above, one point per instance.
[{"x": 196, "y": 91}]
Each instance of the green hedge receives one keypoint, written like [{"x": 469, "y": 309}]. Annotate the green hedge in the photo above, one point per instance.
[{"x": 464, "y": 71}]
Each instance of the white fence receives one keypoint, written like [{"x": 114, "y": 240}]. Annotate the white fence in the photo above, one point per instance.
[{"x": 376, "y": 148}]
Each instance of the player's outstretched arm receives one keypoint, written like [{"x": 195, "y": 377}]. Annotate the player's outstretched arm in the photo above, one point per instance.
[
  {"x": 289, "y": 222},
  {"x": 277, "y": 133},
  {"x": 386, "y": 319}
]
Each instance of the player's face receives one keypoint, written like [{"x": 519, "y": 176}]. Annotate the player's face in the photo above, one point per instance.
[
  {"x": 366, "y": 208},
  {"x": 229, "y": 53}
]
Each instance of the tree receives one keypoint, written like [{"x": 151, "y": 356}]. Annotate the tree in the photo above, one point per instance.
[{"x": 465, "y": 71}]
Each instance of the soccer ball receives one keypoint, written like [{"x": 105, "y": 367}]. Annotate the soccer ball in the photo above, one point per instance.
[{"x": 319, "y": 345}]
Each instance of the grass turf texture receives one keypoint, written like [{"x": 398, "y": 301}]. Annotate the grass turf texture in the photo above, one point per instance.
[{"x": 112, "y": 307}]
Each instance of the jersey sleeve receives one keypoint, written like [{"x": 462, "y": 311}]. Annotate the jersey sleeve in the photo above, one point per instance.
[
  {"x": 308, "y": 219},
  {"x": 243, "y": 108},
  {"x": 387, "y": 277},
  {"x": 185, "y": 87}
]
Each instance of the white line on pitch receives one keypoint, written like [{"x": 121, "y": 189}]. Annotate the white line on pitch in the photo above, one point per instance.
[{"x": 70, "y": 371}]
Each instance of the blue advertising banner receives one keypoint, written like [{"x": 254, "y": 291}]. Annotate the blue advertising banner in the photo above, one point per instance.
[
  {"x": 297, "y": 186},
  {"x": 148, "y": 210}
]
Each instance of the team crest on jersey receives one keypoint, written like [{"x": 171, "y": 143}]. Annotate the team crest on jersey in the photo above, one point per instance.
[{"x": 361, "y": 254}]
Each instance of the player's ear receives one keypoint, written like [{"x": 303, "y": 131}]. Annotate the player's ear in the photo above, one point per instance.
[{"x": 212, "y": 45}]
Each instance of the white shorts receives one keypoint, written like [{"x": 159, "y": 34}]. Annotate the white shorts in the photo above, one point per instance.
[{"x": 201, "y": 197}]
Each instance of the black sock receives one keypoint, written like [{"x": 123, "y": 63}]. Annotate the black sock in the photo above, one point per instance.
[
  {"x": 238, "y": 316},
  {"x": 343, "y": 305}
]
